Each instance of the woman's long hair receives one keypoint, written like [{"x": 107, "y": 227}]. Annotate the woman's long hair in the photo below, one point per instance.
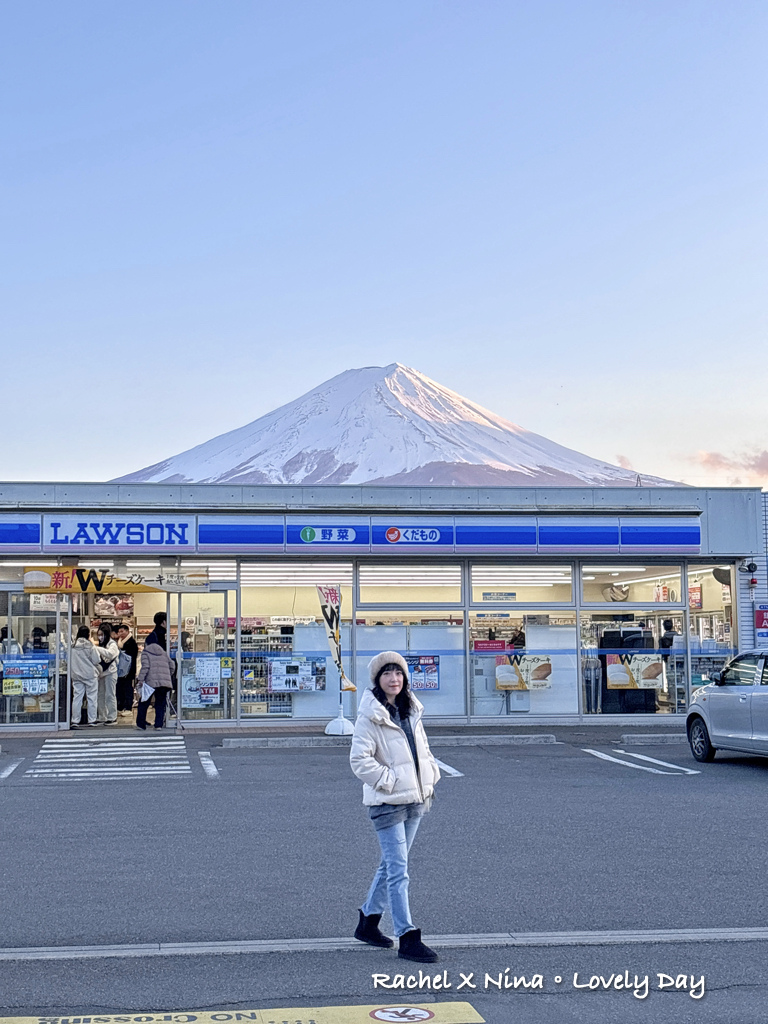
[{"x": 403, "y": 701}]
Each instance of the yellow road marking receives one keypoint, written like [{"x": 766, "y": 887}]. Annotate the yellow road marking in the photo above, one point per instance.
[{"x": 403, "y": 1011}]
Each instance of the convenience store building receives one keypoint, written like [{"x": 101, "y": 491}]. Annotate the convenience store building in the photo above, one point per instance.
[{"x": 540, "y": 605}]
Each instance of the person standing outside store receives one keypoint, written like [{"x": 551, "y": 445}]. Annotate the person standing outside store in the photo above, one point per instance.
[
  {"x": 127, "y": 645},
  {"x": 391, "y": 757},
  {"x": 108, "y": 655},
  {"x": 84, "y": 664},
  {"x": 155, "y": 680}
]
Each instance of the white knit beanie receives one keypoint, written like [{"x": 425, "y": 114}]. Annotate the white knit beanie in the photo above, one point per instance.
[{"x": 375, "y": 665}]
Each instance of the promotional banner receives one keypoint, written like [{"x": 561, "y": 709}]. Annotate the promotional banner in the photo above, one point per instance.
[
  {"x": 523, "y": 672},
  {"x": 295, "y": 674},
  {"x": 330, "y": 607},
  {"x": 634, "y": 671},
  {"x": 424, "y": 671},
  {"x": 73, "y": 579},
  {"x": 201, "y": 680}
]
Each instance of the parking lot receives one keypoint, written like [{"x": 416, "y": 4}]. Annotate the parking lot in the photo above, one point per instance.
[{"x": 571, "y": 838}]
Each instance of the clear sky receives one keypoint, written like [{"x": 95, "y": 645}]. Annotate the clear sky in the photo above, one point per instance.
[{"x": 556, "y": 208}]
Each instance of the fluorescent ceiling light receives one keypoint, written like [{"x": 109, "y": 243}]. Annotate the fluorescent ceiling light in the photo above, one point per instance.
[
  {"x": 95, "y": 565},
  {"x": 615, "y": 568},
  {"x": 143, "y": 565},
  {"x": 32, "y": 561}
]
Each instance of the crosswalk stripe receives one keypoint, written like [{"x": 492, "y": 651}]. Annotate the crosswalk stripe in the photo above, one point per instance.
[{"x": 113, "y": 757}]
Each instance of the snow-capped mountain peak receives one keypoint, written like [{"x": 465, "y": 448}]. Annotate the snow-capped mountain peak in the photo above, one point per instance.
[{"x": 387, "y": 424}]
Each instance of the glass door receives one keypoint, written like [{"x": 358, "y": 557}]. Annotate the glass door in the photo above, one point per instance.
[{"x": 207, "y": 655}]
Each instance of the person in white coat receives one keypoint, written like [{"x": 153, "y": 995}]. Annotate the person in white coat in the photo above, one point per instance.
[
  {"x": 391, "y": 756},
  {"x": 84, "y": 671},
  {"x": 109, "y": 652}
]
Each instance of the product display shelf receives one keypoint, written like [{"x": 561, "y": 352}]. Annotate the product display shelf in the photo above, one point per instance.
[{"x": 255, "y": 652}]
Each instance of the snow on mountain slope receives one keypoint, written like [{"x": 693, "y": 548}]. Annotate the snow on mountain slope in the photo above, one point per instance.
[{"x": 387, "y": 425}]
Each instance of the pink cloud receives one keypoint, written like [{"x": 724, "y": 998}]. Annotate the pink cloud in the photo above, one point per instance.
[
  {"x": 751, "y": 467},
  {"x": 624, "y": 462}
]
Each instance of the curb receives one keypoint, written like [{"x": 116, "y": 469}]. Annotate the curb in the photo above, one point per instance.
[
  {"x": 650, "y": 739},
  {"x": 345, "y": 741}
]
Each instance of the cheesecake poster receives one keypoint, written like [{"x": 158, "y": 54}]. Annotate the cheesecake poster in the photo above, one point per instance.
[{"x": 634, "y": 671}]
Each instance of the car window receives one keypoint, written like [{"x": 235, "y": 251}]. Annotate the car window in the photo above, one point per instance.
[
  {"x": 741, "y": 672},
  {"x": 764, "y": 679}
]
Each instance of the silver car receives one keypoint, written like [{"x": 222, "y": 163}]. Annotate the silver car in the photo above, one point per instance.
[{"x": 731, "y": 711}]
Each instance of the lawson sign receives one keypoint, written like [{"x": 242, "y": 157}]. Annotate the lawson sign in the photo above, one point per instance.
[{"x": 118, "y": 533}]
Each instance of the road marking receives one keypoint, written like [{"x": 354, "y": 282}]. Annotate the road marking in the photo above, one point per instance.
[
  {"x": 437, "y": 1013},
  {"x": 629, "y": 764},
  {"x": 10, "y": 768},
  {"x": 208, "y": 764},
  {"x": 111, "y": 757},
  {"x": 653, "y": 760},
  {"x": 667, "y": 936},
  {"x": 448, "y": 770}
]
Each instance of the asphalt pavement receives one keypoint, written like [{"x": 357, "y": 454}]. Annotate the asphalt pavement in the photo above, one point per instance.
[{"x": 274, "y": 844}]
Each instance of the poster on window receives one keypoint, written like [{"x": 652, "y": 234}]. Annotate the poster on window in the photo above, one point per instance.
[
  {"x": 27, "y": 677},
  {"x": 424, "y": 671},
  {"x": 694, "y": 595},
  {"x": 296, "y": 675},
  {"x": 634, "y": 671},
  {"x": 523, "y": 672},
  {"x": 201, "y": 681}
]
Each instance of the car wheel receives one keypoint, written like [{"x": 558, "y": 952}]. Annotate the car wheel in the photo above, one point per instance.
[{"x": 698, "y": 737}]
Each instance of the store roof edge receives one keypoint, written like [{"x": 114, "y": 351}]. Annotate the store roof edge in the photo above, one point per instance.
[{"x": 206, "y": 498}]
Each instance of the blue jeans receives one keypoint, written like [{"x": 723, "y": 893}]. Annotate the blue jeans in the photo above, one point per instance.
[{"x": 390, "y": 883}]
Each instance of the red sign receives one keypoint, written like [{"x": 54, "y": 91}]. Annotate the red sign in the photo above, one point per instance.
[
  {"x": 490, "y": 645},
  {"x": 393, "y": 535},
  {"x": 761, "y": 618}
]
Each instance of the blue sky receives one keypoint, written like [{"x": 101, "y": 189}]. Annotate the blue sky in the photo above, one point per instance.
[{"x": 558, "y": 209}]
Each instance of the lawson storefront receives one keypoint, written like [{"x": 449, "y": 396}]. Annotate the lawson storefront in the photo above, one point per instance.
[{"x": 512, "y": 605}]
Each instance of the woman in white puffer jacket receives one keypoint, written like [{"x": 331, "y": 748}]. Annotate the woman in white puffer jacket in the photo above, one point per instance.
[{"x": 391, "y": 757}]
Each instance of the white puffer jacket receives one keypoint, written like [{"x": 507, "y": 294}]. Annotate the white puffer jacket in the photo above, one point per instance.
[
  {"x": 382, "y": 760},
  {"x": 84, "y": 662},
  {"x": 109, "y": 653}
]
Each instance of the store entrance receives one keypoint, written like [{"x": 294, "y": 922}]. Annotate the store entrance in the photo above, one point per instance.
[{"x": 118, "y": 626}]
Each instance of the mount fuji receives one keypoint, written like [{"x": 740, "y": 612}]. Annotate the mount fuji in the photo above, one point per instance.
[{"x": 386, "y": 425}]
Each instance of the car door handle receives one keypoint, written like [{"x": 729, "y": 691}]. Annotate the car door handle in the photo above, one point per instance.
[{"x": 743, "y": 698}]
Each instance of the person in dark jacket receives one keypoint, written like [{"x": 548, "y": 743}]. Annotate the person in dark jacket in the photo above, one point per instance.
[
  {"x": 155, "y": 680},
  {"x": 160, "y": 632},
  {"x": 125, "y": 682}
]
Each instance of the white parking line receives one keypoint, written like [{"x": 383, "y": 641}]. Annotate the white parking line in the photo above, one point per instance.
[
  {"x": 616, "y": 760},
  {"x": 10, "y": 768},
  {"x": 448, "y": 770},
  {"x": 208, "y": 764},
  {"x": 653, "y": 760}
]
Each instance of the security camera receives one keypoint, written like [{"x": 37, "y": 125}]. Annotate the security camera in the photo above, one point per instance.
[{"x": 750, "y": 567}]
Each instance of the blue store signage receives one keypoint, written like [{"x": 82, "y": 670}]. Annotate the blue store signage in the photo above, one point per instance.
[
  {"x": 118, "y": 533},
  {"x": 240, "y": 534},
  {"x": 316, "y": 533},
  {"x": 398, "y": 535}
]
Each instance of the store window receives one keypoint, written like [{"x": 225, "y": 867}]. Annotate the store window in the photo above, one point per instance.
[
  {"x": 410, "y": 584},
  {"x": 286, "y": 666},
  {"x": 632, "y": 584},
  {"x": 432, "y": 644},
  {"x": 710, "y": 604},
  {"x": 633, "y": 663},
  {"x": 523, "y": 663},
  {"x": 531, "y": 584},
  {"x": 28, "y": 643}
]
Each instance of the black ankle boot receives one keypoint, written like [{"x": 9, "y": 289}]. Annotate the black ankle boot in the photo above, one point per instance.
[
  {"x": 412, "y": 948},
  {"x": 368, "y": 931}
]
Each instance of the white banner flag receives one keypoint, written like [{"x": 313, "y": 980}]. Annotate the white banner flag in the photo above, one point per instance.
[{"x": 330, "y": 606}]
